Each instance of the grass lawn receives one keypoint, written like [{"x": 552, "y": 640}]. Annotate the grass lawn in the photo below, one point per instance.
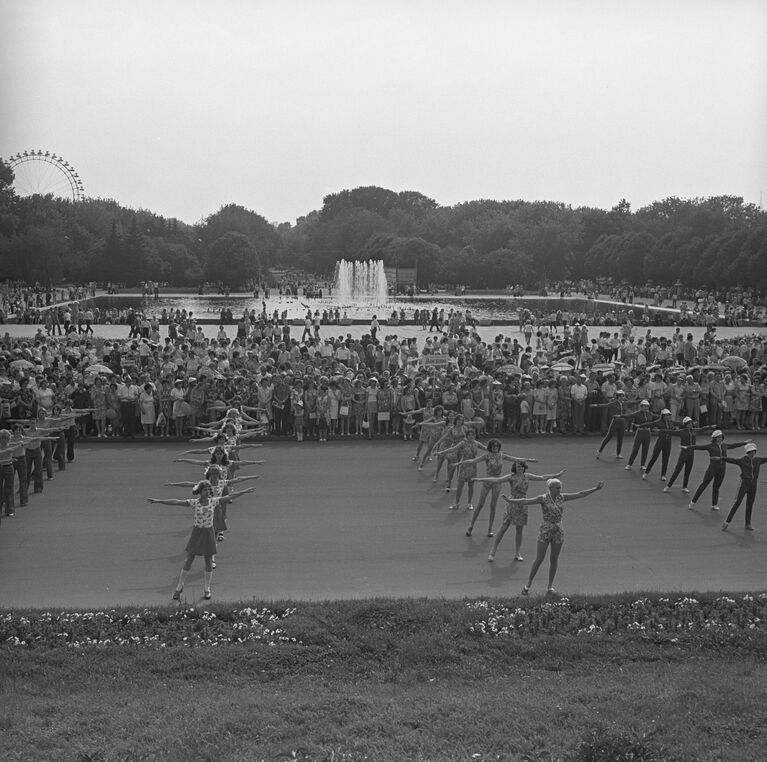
[{"x": 610, "y": 678}]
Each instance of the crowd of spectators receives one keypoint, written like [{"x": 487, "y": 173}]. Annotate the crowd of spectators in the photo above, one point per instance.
[{"x": 542, "y": 379}]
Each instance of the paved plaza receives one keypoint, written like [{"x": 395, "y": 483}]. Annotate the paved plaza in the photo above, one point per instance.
[{"x": 353, "y": 519}]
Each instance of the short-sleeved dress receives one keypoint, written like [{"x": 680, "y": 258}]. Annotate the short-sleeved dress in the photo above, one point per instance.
[
  {"x": 467, "y": 451},
  {"x": 517, "y": 514},
  {"x": 219, "y": 514},
  {"x": 203, "y": 539},
  {"x": 551, "y": 529}
]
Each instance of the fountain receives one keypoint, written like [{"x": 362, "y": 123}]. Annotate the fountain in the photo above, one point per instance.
[{"x": 360, "y": 281}]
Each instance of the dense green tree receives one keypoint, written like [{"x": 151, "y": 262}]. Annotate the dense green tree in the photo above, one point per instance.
[{"x": 233, "y": 261}]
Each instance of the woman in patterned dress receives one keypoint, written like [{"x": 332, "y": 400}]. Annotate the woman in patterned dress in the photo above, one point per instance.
[
  {"x": 202, "y": 541},
  {"x": 166, "y": 406},
  {"x": 359, "y": 401},
  {"x": 217, "y": 476},
  {"x": 518, "y": 480},
  {"x": 564, "y": 405},
  {"x": 454, "y": 433},
  {"x": 430, "y": 429},
  {"x": 493, "y": 458},
  {"x": 99, "y": 400},
  {"x": 466, "y": 459},
  {"x": 550, "y": 532}
]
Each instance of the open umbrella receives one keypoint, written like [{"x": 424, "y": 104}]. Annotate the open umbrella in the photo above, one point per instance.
[
  {"x": 605, "y": 367},
  {"x": 99, "y": 368},
  {"x": 562, "y": 367},
  {"x": 22, "y": 364},
  {"x": 713, "y": 367},
  {"x": 733, "y": 361},
  {"x": 510, "y": 370}
]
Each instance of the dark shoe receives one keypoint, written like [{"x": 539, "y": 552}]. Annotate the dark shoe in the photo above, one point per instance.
[
  {"x": 177, "y": 594},
  {"x": 208, "y": 595}
]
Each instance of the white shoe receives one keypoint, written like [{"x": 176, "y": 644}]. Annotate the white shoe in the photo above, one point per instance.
[
  {"x": 598, "y": 454},
  {"x": 420, "y": 468},
  {"x": 714, "y": 507},
  {"x": 663, "y": 478},
  {"x": 491, "y": 557},
  {"x": 685, "y": 490},
  {"x": 644, "y": 476},
  {"x": 627, "y": 468},
  {"x": 469, "y": 507},
  {"x": 644, "y": 468},
  {"x": 666, "y": 489},
  {"x": 725, "y": 524},
  {"x": 690, "y": 506},
  {"x": 619, "y": 457}
]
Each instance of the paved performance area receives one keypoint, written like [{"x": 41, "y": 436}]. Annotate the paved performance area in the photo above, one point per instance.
[{"x": 351, "y": 519}]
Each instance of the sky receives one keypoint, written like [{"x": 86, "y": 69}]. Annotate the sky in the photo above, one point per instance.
[{"x": 183, "y": 106}]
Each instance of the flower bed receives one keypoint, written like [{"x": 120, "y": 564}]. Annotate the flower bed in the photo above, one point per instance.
[
  {"x": 147, "y": 628},
  {"x": 720, "y": 619}
]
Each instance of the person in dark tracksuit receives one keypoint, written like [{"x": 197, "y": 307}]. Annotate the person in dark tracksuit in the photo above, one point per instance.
[
  {"x": 749, "y": 477},
  {"x": 616, "y": 409},
  {"x": 686, "y": 457},
  {"x": 642, "y": 419},
  {"x": 665, "y": 428},
  {"x": 717, "y": 452}
]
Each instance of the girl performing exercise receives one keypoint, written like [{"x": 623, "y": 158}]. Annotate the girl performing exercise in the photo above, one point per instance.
[
  {"x": 493, "y": 458},
  {"x": 518, "y": 480},
  {"x": 202, "y": 541},
  {"x": 550, "y": 532}
]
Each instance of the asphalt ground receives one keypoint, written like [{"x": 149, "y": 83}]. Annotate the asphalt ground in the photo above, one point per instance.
[{"x": 355, "y": 519}]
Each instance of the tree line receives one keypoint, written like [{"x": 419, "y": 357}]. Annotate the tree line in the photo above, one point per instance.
[{"x": 704, "y": 242}]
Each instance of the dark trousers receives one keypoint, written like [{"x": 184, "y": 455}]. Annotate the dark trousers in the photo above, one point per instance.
[
  {"x": 48, "y": 458},
  {"x": 128, "y": 418},
  {"x": 35, "y": 468},
  {"x": 617, "y": 430},
  {"x": 685, "y": 460},
  {"x": 641, "y": 441},
  {"x": 6, "y": 489},
  {"x": 662, "y": 448},
  {"x": 713, "y": 473},
  {"x": 579, "y": 411},
  {"x": 747, "y": 489},
  {"x": 69, "y": 435},
  {"x": 280, "y": 418},
  {"x": 20, "y": 467},
  {"x": 60, "y": 451}
]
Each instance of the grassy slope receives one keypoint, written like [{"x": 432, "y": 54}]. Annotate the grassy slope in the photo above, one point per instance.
[{"x": 390, "y": 680}]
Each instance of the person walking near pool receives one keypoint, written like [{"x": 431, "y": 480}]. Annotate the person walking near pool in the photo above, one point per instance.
[
  {"x": 717, "y": 465},
  {"x": 687, "y": 434},
  {"x": 550, "y": 533},
  {"x": 493, "y": 458},
  {"x": 749, "y": 479},
  {"x": 202, "y": 541},
  {"x": 518, "y": 481}
]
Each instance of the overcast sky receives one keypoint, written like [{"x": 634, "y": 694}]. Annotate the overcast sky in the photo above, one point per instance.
[{"x": 182, "y": 106}]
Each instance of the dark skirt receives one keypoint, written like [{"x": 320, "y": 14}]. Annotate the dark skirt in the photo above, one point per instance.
[
  {"x": 202, "y": 542},
  {"x": 219, "y": 517}
]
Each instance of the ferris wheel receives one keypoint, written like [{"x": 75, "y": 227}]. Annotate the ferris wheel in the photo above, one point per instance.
[{"x": 44, "y": 172}]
